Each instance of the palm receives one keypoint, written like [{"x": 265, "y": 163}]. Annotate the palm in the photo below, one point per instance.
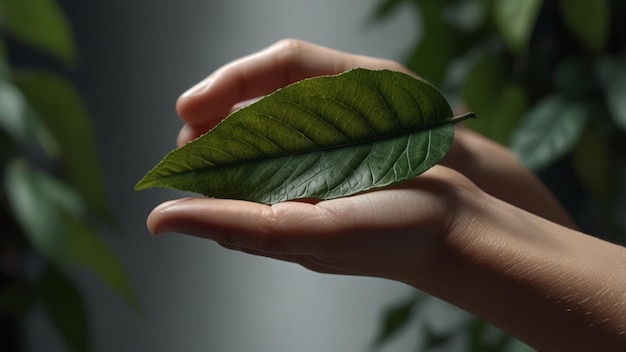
[{"x": 366, "y": 234}]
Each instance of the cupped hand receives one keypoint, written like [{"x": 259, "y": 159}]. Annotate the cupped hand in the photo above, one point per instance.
[
  {"x": 490, "y": 166},
  {"x": 479, "y": 231},
  {"x": 259, "y": 74},
  {"x": 386, "y": 233}
]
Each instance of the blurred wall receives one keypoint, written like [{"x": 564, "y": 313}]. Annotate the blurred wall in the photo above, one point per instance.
[{"x": 137, "y": 57}]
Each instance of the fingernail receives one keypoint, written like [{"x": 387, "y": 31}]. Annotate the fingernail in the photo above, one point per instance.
[{"x": 158, "y": 223}]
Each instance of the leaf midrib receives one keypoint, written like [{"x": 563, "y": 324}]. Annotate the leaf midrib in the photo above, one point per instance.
[{"x": 448, "y": 121}]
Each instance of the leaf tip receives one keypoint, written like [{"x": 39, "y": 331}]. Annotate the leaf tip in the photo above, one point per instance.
[{"x": 142, "y": 184}]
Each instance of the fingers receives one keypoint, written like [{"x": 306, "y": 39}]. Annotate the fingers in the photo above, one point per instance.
[
  {"x": 239, "y": 224},
  {"x": 301, "y": 228},
  {"x": 383, "y": 233},
  {"x": 279, "y": 65}
]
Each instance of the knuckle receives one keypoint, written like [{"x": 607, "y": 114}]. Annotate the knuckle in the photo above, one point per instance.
[
  {"x": 269, "y": 235},
  {"x": 288, "y": 51},
  {"x": 288, "y": 45}
]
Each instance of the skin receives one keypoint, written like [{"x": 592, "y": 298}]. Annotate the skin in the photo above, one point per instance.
[{"x": 479, "y": 230}]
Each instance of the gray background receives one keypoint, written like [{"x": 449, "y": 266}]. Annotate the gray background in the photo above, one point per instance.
[{"x": 137, "y": 57}]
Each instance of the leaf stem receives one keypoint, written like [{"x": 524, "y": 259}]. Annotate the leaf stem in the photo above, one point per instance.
[
  {"x": 452, "y": 120},
  {"x": 461, "y": 118}
]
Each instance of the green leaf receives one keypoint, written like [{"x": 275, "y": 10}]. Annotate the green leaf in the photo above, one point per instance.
[
  {"x": 499, "y": 103},
  {"x": 468, "y": 16},
  {"x": 5, "y": 68},
  {"x": 64, "y": 307},
  {"x": 53, "y": 216},
  {"x": 40, "y": 24},
  {"x": 549, "y": 131},
  {"x": 611, "y": 72},
  {"x": 13, "y": 112},
  {"x": 63, "y": 114},
  {"x": 395, "y": 319},
  {"x": 385, "y": 7},
  {"x": 588, "y": 20},
  {"x": 485, "y": 337},
  {"x": 322, "y": 138},
  {"x": 516, "y": 20},
  {"x": 87, "y": 248},
  {"x": 515, "y": 345},
  {"x": 442, "y": 318},
  {"x": 437, "y": 46},
  {"x": 36, "y": 213}
]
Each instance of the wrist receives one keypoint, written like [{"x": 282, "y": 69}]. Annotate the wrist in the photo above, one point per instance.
[{"x": 544, "y": 283}]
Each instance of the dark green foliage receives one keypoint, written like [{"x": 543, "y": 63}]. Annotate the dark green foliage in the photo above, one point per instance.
[
  {"x": 323, "y": 138},
  {"x": 53, "y": 193}
]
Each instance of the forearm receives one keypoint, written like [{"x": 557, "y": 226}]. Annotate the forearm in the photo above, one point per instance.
[{"x": 511, "y": 268}]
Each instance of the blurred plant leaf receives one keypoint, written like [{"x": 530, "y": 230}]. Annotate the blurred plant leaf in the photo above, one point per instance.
[
  {"x": 53, "y": 214},
  {"x": 322, "y": 138},
  {"x": 64, "y": 307},
  {"x": 36, "y": 213},
  {"x": 41, "y": 24},
  {"x": 437, "y": 46},
  {"x": 396, "y": 318},
  {"x": 88, "y": 249},
  {"x": 442, "y": 318},
  {"x": 588, "y": 20},
  {"x": 516, "y": 20},
  {"x": 611, "y": 72},
  {"x": 468, "y": 15},
  {"x": 385, "y": 7},
  {"x": 485, "y": 337},
  {"x": 5, "y": 68},
  {"x": 549, "y": 131},
  {"x": 13, "y": 112},
  {"x": 515, "y": 345},
  {"x": 499, "y": 103},
  {"x": 62, "y": 112},
  {"x": 436, "y": 342}
]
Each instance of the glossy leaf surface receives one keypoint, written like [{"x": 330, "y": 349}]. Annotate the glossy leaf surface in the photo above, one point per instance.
[
  {"x": 41, "y": 24},
  {"x": 549, "y": 131},
  {"x": 611, "y": 72},
  {"x": 432, "y": 55},
  {"x": 516, "y": 20},
  {"x": 499, "y": 103},
  {"x": 87, "y": 248},
  {"x": 67, "y": 121},
  {"x": 396, "y": 318},
  {"x": 13, "y": 112},
  {"x": 53, "y": 217},
  {"x": 37, "y": 214},
  {"x": 324, "y": 137}
]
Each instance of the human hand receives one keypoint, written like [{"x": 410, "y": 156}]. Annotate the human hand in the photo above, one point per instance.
[
  {"x": 259, "y": 74},
  {"x": 462, "y": 231},
  {"x": 490, "y": 166},
  {"x": 386, "y": 233}
]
